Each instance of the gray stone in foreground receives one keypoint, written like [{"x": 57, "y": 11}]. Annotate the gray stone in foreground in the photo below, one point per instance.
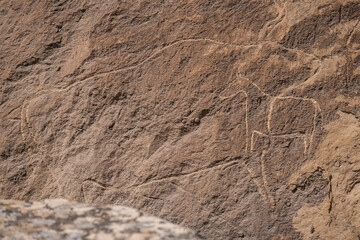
[{"x": 61, "y": 219}]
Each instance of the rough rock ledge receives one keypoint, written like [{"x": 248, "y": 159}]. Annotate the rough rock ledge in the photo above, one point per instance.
[{"x": 61, "y": 219}]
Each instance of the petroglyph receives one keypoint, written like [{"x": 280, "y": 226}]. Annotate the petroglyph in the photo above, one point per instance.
[
  {"x": 122, "y": 101},
  {"x": 265, "y": 181},
  {"x": 307, "y": 131},
  {"x": 271, "y": 25},
  {"x": 220, "y": 165},
  {"x": 302, "y": 125},
  {"x": 25, "y": 121},
  {"x": 157, "y": 53},
  {"x": 234, "y": 90},
  {"x": 261, "y": 183},
  {"x": 240, "y": 76}
]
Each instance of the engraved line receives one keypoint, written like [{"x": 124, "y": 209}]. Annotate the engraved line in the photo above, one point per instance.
[
  {"x": 251, "y": 82},
  {"x": 260, "y": 186},
  {"x": 252, "y": 138},
  {"x": 311, "y": 79},
  {"x": 264, "y": 178},
  {"x": 273, "y": 23},
  {"x": 47, "y": 90},
  {"x": 228, "y": 163}
]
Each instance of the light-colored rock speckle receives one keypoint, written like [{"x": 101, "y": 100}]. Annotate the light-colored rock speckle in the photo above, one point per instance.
[{"x": 61, "y": 219}]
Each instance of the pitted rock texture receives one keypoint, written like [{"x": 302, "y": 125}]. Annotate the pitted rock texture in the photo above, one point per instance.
[
  {"x": 239, "y": 119},
  {"x": 60, "y": 219}
]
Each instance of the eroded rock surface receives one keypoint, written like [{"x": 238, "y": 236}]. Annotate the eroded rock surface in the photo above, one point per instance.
[
  {"x": 239, "y": 119},
  {"x": 61, "y": 219}
]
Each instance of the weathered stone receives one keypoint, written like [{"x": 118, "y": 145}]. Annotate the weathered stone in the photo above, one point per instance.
[
  {"x": 228, "y": 117},
  {"x": 41, "y": 220}
]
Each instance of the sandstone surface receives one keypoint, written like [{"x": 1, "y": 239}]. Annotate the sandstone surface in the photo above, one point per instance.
[{"x": 236, "y": 118}]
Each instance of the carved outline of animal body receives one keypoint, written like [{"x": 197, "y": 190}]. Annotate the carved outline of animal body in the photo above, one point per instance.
[
  {"x": 307, "y": 138},
  {"x": 263, "y": 189}
]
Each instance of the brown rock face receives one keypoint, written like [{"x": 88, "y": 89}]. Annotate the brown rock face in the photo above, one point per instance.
[{"x": 239, "y": 119}]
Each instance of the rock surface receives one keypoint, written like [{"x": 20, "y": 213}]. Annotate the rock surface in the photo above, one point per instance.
[
  {"x": 239, "y": 119},
  {"x": 59, "y": 219}
]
